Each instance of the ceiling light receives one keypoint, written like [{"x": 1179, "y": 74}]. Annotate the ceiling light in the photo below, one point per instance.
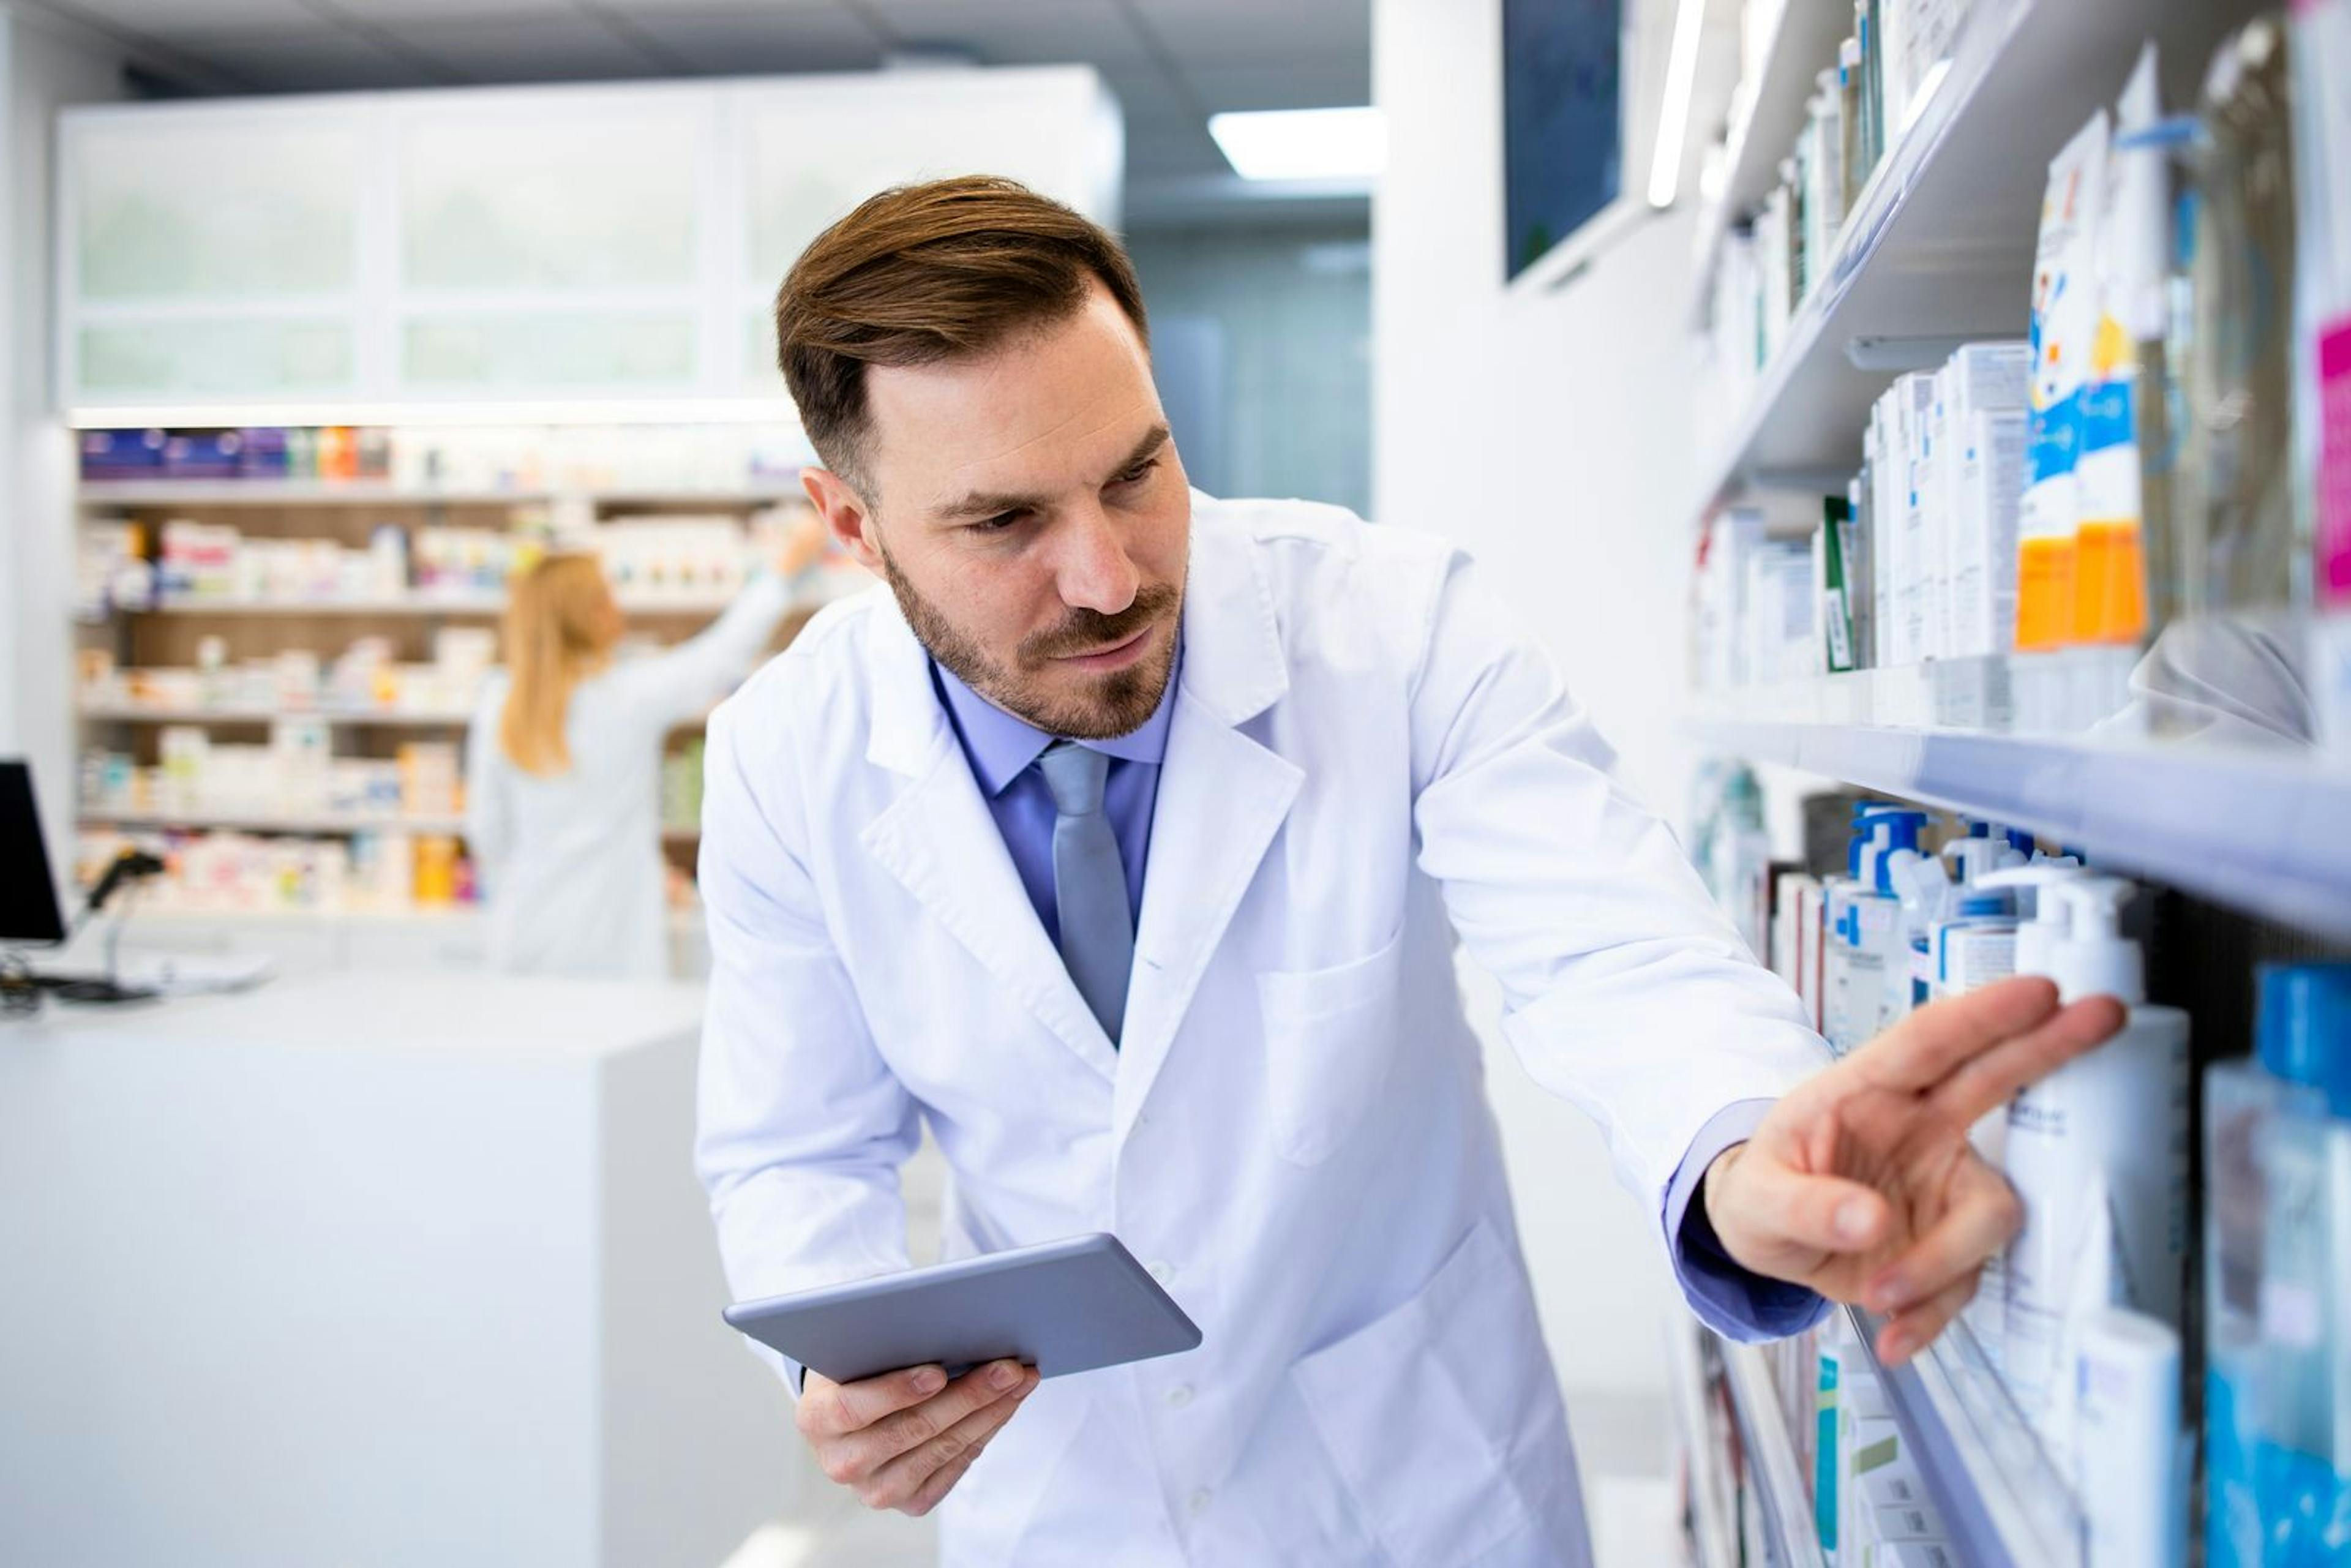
[
  {"x": 1304, "y": 143},
  {"x": 1673, "y": 115}
]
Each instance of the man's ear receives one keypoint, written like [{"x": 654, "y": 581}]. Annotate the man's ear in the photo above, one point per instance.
[{"x": 845, "y": 515}]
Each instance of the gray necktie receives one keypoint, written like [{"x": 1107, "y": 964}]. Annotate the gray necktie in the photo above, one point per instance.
[{"x": 1089, "y": 882}]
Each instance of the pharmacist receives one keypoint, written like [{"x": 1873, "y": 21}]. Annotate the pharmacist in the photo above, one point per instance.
[{"x": 1125, "y": 842}]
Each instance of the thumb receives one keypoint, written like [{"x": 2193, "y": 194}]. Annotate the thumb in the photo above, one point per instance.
[{"x": 1771, "y": 1203}]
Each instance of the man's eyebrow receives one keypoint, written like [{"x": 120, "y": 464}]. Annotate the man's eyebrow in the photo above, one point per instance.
[{"x": 989, "y": 503}]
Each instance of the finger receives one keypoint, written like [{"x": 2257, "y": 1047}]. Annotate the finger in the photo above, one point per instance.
[
  {"x": 897, "y": 1483},
  {"x": 1938, "y": 1038},
  {"x": 1796, "y": 1208},
  {"x": 832, "y": 1409},
  {"x": 1992, "y": 1079},
  {"x": 904, "y": 1431},
  {"x": 1983, "y": 1218},
  {"x": 1907, "y": 1335},
  {"x": 942, "y": 1481}
]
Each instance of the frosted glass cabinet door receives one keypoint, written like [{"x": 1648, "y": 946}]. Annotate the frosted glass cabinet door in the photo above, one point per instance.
[
  {"x": 815, "y": 149},
  {"x": 186, "y": 207},
  {"x": 600, "y": 195}
]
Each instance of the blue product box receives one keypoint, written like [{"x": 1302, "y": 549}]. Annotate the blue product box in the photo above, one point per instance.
[
  {"x": 121, "y": 454},
  {"x": 203, "y": 454},
  {"x": 264, "y": 457}
]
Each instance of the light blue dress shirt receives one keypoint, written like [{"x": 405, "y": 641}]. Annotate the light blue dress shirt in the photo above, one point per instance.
[{"x": 1000, "y": 749}]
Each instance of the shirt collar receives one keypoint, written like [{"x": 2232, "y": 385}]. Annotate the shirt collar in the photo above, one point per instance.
[{"x": 1001, "y": 746}]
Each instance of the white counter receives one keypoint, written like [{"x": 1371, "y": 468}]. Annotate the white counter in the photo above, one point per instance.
[{"x": 371, "y": 1270}]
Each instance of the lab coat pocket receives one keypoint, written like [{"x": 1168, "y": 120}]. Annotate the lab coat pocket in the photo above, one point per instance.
[
  {"x": 1418, "y": 1408},
  {"x": 1328, "y": 1038}
]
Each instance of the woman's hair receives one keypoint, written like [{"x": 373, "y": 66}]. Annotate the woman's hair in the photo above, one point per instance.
[{"x": 555, "y": 633}]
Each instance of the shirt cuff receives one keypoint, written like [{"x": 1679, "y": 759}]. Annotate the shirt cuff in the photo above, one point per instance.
[{"x": 1734, "y": 1302}]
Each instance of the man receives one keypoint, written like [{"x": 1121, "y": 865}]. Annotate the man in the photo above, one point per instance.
[{"x": 1126, "y": 841}]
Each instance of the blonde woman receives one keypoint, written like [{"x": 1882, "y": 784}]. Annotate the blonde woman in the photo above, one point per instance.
[{"x": 563, "y": 763}]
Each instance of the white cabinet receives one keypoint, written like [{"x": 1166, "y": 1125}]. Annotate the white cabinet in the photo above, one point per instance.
[{"x": 321, "y": 256}]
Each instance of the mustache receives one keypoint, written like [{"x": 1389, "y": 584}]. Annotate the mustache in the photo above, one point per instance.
[{"x": 1091, "y": 630}]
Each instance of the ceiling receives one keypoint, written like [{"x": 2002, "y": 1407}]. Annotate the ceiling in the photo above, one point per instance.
[{"x": 1170, "y": 62}]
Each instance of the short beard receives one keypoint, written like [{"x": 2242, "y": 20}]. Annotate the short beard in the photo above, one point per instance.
[{"x": 1121, "y": 702}]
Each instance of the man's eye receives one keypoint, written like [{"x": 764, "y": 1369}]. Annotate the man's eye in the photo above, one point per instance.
[
  {"x": 1134, "y": 475},
  {"x": 998, "y": 523}
]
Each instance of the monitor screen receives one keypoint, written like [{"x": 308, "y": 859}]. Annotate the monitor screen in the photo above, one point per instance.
[
  {"x": 28, "y": 898},
  {"x": 1562, "y": 114}
]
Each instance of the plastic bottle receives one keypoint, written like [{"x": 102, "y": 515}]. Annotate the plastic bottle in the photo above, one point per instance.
[
  {"x": 2097, "y": 1151},
  {"x": 1851, "y": 978},
  {"x": 2302, "y": 1043}
]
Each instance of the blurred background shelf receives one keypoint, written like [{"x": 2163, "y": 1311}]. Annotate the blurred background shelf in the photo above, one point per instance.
[
  {"x": 380, "y": 719},
  {"x": 368, "y": 492},
  {"x": 262, "y": 822},
  {"x": 1788, "y": 1529}
]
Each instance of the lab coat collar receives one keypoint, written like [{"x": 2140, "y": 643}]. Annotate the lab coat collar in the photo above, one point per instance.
[{"x": 1222, "y": 797}]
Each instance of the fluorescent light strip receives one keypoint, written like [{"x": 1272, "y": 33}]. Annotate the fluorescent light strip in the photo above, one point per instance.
[
  {"x": 1304, "y": 143},
  {"x": 1673, "y": 114},
  {"x": 638, "y": 411}
]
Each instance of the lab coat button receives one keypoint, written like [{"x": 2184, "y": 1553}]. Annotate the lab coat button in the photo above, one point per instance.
[
  {"x": 1179, "y": 1395},
  {"x": 1198, "y": 1504}
]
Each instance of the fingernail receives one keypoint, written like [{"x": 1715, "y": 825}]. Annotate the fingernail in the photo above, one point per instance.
[
  {"x": 1003, "y": 1375},
  {"x": 930, "y": 1380},
  {"x": 1853, "y": 1219},
  {"x": 1892, "y": 1293}
]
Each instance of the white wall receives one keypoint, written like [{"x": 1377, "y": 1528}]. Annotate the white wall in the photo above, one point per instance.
[
  {"x": 1547, "y": 431},
  {"x": 47, "y": 65}
]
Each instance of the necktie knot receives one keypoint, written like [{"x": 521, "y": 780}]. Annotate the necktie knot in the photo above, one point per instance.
[{"x": 1074, "y": 776}]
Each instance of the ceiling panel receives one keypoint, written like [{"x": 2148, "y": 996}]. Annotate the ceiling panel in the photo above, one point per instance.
[
  {"x": 394, "y": 15},
  {"x": 171, "y": 22},
  {"x": 551, "y": 49},
  {"x": 1320, "y": 83},
  {"x": 1237, "y": 31},
  {"x": 1019, "y": 32},
  {"x": 772, "y": 41},
  {"x": 335, "y": 62}
]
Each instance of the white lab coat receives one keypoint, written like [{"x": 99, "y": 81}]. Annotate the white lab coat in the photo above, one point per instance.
[
  {"x": 1364, "y": 758},
  {"x": 570, "y": 865}
]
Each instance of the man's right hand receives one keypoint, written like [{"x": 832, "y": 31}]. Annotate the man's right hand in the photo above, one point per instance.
[{"x": 902, "y": 1440}]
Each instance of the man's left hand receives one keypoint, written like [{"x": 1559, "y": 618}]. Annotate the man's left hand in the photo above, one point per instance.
[{"x": 1861, "y": 1184}]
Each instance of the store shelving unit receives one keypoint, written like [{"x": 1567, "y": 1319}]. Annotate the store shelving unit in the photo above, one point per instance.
[
  {"x": 1765, "y": 122},
  {"x": 321, "y": 824},
  {"x": 1938, "y": 246},
  {"x": 1772, "y": 1461},
  {"x": 471, "y": 606},
  {"x": 378, "y": 719},
  {"x": 1714, "y": 1536},
  {"x": 382, "y": 493}
]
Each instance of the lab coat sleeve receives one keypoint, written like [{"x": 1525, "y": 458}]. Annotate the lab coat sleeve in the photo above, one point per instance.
[
  {"x": 1625, "y": 989},
  {"x": 490, "y": 813},
  {"x": 802, "y": 1127},
  {"x": 681, "y": 682}
]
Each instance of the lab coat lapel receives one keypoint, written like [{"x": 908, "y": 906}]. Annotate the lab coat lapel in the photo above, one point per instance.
[
  {"x": 1222, "y": 797},
  {"x": 938, "y": 839}
]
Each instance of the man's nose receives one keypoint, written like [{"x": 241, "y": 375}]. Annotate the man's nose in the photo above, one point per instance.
[{"x": 1093, "y": 571}]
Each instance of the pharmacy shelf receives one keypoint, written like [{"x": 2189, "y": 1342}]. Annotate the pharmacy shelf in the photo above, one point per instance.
[
  {"x": 1765, "y": 122},
  {"x": 2260, "y": 832},
  {"x": 380, "y": 719},
  {"x": 410, "y": 604},
  {"x": 1714, "y": 1536},
  {"x": 371, "y": 493},
  {"x": 1938, "y": 246},
  {"x": 324, "y": 823},
  {"x": 1789, "y": 1535},
  {"x": 2001, "y": 1496}
]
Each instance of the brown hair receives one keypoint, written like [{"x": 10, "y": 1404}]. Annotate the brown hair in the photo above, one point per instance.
[
  {"x": 554, "y": 636},
  {"x": 923, "y": 273}
]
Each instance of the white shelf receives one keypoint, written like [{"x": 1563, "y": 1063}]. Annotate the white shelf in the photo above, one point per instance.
[
  {"x": 264, "y": 822},
  {"x": 412, "y": 604},
  {"x": 1772, "y": 1460},
  {"x": 384, "y": 718},
  {"x": 2000, "y": 1495},
  {"x": 1940, "y": 244},
  {"x": 379, "y": 493},
  {"x": 1769, "y": 118},
  {"x": 2260, "y": 831}
]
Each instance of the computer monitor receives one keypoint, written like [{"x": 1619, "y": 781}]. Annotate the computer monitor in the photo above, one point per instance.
[{"x": 28, "y": 896}]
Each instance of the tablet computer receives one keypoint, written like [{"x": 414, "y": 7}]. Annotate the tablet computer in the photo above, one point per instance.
[{"x": 1064, "y": 1306}]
